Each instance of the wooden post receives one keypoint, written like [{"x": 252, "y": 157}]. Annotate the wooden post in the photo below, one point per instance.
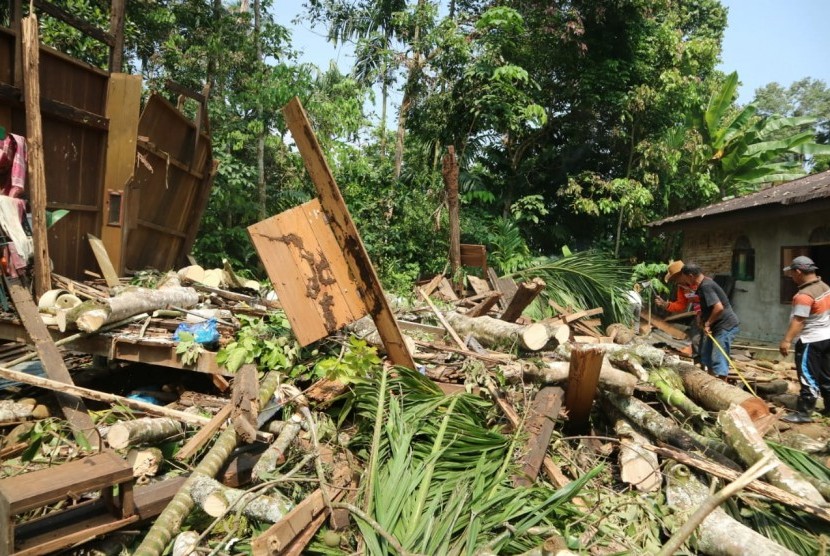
[
  {"x": 117, "y": 10},
  {"x": 34, "y": 142},
  {"x": 583, "y": 378},
  {"x": 16, "y": 19},
  {"x": 348, "y": 238},
  {"x": 123, "y": 110},
  {"x": 449, "y": 171}
]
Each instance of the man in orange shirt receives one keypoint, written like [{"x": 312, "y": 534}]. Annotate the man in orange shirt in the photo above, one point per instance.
[
  {"x": 810, "y": 326},
  {"x": 685, "y": 300}
]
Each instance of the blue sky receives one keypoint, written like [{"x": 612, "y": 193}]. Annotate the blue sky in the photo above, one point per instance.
[
  {"x": 766, "y": 40},
  {"x": 776, "y": 40}
]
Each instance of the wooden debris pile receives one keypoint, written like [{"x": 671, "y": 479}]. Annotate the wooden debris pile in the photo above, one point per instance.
[{"x": 610, "y": 443}]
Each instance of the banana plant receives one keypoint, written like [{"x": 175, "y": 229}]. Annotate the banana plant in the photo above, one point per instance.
[{"x": 743, "y": 149}]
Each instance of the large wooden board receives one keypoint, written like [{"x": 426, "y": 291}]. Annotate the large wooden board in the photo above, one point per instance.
[
  {"x": 308, "y": 271},
  {"x": 346, "y": 234}
]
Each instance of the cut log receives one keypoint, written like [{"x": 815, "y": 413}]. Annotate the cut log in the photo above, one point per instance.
[
  {"x": 215, "y": 499},
  {"x": 559, "y": 333},
  {"x": 170, "y": 520},
  {"x": 638, "y": 467},
  {"x": 620, "y": 333},
  {"x": 556, "y": 372},
  {"x": 662, "y": 428},
  {"x": 524, "y": 296},
  {"x": 145, "y": 462},
  {"x": 143, "y": 431},
  {"x": 493, "y": 332},
  {"x": 11, "y": 411},
  {"x": 718, "y": 534},
  {"x": 715, "y": 394},
  {"x": 275, "y": 454},
  {"x": 92, "y": 315},
  {"x": 742, "y": 435}
]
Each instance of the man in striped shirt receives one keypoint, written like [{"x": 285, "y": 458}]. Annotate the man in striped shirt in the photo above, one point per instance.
[{"x": 810, "y": 325}]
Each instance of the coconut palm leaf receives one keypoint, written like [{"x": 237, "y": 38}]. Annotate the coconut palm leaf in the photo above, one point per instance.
[
  {"x": 442, "y": 480},
  {"x": 582, "y": 280}
]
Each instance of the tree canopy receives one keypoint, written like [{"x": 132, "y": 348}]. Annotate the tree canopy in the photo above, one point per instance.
[{"x": 576, "y": 121}]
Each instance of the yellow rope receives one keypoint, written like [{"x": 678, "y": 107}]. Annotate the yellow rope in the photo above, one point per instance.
[{"x": 732, "y": 364}]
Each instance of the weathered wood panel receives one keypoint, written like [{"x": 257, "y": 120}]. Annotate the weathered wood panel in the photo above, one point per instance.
[
  {"x": 167, "y": 196},
  {"x": 308, "y": 271}
]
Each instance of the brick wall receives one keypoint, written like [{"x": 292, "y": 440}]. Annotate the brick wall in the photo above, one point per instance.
[{"x": 711, "y": 249}]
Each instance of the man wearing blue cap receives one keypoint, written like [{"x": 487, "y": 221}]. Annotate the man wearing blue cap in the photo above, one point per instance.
[{"x": 810, "y": 326}]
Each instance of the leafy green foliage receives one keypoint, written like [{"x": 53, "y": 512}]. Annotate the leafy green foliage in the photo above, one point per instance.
[
  {"x": 356, "y": 363},
  {"x": 188, "y": 348},
  {"x": 442, "y": 482},
  {"x": 582, "y": 280},
  {"x": 266, "y": 341}
]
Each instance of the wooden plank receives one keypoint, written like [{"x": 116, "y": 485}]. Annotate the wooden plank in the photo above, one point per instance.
[
  {"x": 103, "y": 258},
  {"x": 281, "y": 251},
  {"x": 280, "y": 534},
  {"x": 485, "y": 305},
  {"x": 474, "y": 255},
  {"x": 479, "y": 285},
  {"x": 342, "y": 225},
  {"x": 57, "y": 109},
  {"x": 36, "y": 176},
  {"x": 330, "y": 268},
  {"x": 544, "y": 411},
  {"x": 198, "y": 440},
  {"x": 506, "y": 286},
  {"x": 661, "y": 324},
  {"x": 123, "y": 110},
  {"x": 72, "y": 407},
  {"x": 571, "y": 317},
  {"x": 52, "y": 484}
]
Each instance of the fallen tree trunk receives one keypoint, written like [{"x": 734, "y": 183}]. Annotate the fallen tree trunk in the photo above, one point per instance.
[
  {"x": 716, "y": 395},
  {"x": 742, "y": 435},
  {"x": 170, "y": 520},
  {"x": 495, "y": 332},
  {"x": 673, "y": 395},
  {"x": 89, "y": 316},
  {"x": 365, "y": 329},
  {"x": 143, "y": 431},
  {"x": 662, "y": 428},
  {"x": 718, "y": 534},
  {"x": 275, "y": 454},
  {"x": 215, "y": 499},
  {"x": 611, "y": 379},
  {"x": 145, "y": 462},
  {"x": 641, "y": 353}
]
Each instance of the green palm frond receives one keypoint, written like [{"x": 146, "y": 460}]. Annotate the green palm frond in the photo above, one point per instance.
[
  {"x": 442, "y": 481},
  {"x": 582, "y": 280}
]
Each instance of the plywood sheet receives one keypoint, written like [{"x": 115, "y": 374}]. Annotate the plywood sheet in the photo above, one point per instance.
[{"x": 308, "y": 271}]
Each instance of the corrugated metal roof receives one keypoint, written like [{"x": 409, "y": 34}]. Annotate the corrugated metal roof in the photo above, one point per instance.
[{"x": 816, "y": 186}]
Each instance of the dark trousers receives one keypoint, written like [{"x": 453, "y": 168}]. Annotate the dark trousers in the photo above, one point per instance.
[{"x": 812, "y": 361}]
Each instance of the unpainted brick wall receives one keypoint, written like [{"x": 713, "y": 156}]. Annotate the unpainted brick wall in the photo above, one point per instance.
[{"x": 711, "y": 249}]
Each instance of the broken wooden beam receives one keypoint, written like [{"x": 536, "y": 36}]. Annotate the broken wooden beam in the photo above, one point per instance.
[
  {"x": 526, "y": 292},
  {"x": 484, "y": 306},
  {"x": 344, "y": 229},
  {"x": 544, "y": 410},
  {"x": 583, "y": 377}
]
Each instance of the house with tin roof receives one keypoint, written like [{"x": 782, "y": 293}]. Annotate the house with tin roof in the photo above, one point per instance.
[{"x": 752, "y": 238}]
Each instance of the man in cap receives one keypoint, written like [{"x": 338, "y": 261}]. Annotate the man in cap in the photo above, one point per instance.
[
  {"x": 685, "y": 300},
  {"x": 810, "y": 326},
  {"x": 717, "y": 319}
]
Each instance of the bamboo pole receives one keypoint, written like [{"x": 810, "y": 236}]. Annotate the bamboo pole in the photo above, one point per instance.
[{"x": 169, "y": 522}]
